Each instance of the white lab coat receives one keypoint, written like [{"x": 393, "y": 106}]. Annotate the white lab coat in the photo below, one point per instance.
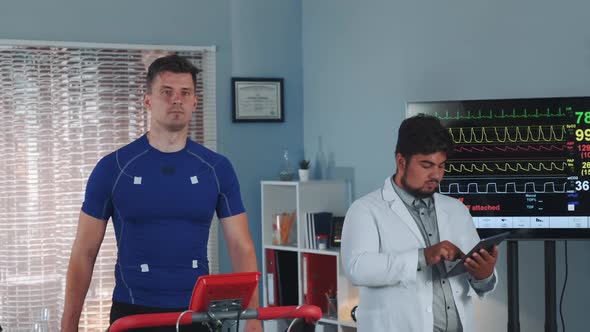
[{"x": 380, "y": 242}]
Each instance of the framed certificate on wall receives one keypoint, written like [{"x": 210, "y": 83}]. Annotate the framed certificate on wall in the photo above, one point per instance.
[{"x": 257, "y": 99}]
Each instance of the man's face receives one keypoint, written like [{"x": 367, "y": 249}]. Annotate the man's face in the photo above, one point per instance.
[
  {"x": 421, "y": 174},
  {"x": 172, "y": 101}
]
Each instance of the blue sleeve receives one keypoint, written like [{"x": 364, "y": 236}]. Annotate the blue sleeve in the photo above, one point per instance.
[
  {"x": 229, "y": 202},
  {"x": 97, "y": 200}
]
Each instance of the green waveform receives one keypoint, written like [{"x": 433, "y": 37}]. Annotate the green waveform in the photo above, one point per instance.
[{"x": 520, "y": 114}]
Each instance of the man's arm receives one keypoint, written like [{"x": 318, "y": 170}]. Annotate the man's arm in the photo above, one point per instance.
[
  {"x": 363, "y": 261},
  {"x": 84, "y": 251},
  {"x": 242, "y": 254},
  {"x": 482, "y": 275}
]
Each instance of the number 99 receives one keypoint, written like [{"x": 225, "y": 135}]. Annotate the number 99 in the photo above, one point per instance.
[{"x": 583, "y": 135}]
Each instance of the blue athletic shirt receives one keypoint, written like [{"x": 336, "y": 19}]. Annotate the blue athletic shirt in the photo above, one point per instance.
[{"x": 161, "y": 205}]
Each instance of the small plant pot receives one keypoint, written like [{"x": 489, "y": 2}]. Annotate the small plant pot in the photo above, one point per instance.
[{"x": 303, "y": 175}]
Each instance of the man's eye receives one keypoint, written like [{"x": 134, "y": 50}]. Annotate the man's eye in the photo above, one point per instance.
[{"x": 167, "y": 92}]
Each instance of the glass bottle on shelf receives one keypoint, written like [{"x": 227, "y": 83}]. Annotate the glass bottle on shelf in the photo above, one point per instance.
[
  {"x": 286, "y": 173},
  {"x": 320, "y": 162}
]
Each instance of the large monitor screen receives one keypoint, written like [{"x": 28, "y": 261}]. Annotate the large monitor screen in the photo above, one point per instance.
[{"x": 519, "y": 164}]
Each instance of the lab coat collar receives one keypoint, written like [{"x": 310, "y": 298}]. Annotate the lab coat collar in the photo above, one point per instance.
[{"x": 399, "y": 208}]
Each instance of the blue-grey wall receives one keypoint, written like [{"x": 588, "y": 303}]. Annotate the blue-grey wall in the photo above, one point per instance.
[
  {"x": 266, "y": 42},
  {"x": 257, "y": 38},
  {"x": 363, "y": 60}
]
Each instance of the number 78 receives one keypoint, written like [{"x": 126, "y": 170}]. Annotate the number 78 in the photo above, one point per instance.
[{"x": 586, "y": 116}]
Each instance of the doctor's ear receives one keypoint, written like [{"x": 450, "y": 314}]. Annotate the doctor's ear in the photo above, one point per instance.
[{"x": 401, "y": 161}]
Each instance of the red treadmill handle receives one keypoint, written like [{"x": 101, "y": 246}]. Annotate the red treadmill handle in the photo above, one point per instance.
[
  {"x": 149, "y": 320},
  {"x": 311, "y": 313}
]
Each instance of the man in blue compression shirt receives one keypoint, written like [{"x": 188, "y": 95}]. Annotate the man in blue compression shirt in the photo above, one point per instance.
[{"x": 160, "y": 191}]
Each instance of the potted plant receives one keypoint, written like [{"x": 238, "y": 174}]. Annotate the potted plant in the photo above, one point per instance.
[{"x": 304, "y": 170}]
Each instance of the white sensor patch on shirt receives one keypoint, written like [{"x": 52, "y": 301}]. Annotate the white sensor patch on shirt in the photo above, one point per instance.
[
  {"x": 137, "y": 180},
  {"x": 145, "y": 268},
  {"x": 194, "y": 179},
  {"x": 195, "y": 263}
]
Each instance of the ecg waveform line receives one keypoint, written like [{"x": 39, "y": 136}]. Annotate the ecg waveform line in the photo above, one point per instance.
[
  {"x": 506, "y": 167},
  {"x": 502, "y": 115},
  {"x": 503, "y": 134},
  {"x": 484, "y": 148},
  {"x": 494, "y": 188}
]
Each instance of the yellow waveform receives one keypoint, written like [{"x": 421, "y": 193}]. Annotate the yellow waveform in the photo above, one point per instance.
[
  {"x": 529, "y": 166},
  {"x": 506, "y": 167},
  {"x": 471, "y": 168},
  {"x": 505, "y": 134}
]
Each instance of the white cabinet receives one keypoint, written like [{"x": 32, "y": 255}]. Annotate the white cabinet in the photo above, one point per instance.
[{"x": 283, "y": 264}]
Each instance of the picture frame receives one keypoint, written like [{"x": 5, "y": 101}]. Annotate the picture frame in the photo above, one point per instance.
[
  {"x": 336, "y": 231},
  {"x": 257, "y": 99}
]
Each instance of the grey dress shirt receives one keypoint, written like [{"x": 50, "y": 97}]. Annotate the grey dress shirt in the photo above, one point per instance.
[{"x": 445, "y": 314}]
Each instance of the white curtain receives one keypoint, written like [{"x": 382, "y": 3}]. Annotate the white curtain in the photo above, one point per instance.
[{"x": 62, "y": 108}]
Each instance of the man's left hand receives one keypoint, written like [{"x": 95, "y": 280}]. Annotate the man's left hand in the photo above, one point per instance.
[
  {"x": 253, "y": 325},
  {"x": 481, "y": 264}
]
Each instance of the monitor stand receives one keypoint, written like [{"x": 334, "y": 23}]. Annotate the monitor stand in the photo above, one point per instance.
[
  {"x": 512, "y": 266},
  {"x": 550, "y": 287}
]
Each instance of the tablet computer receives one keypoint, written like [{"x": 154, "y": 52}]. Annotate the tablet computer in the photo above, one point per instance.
[{"x": 486, "y": 244}]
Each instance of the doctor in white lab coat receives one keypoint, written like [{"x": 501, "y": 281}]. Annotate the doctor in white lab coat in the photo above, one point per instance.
[{"x": 387, "y": 249}]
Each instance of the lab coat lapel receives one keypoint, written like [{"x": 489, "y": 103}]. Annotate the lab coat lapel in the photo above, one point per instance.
[
  {"x": 399, "y": 208},
  {"x": 444, "y": 227}
]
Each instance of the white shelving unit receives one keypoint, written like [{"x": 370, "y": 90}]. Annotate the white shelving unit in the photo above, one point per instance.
[{"x": 302, "y": 198}]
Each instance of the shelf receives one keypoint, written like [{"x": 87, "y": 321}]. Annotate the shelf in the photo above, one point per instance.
[
  {"x": 280, "y": 183},
  {"x": 349, "y": 323},
  {"x": 329, "y": 320},
  {"x": 285, "y": 248},
  {"x": 331, "y": 251},
  {"x": 346, "y": 323},
  {"x": 294, "y": 183},
  {"x": 283, "y": 264}
]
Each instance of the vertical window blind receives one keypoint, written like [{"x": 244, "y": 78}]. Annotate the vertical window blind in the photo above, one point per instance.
[{"x": 62, "y": 108}]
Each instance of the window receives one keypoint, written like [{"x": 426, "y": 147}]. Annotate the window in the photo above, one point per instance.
[{"x": 62, "y": 108}]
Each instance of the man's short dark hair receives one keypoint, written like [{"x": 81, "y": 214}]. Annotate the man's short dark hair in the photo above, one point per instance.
[
  {"x": 423, "y": 134},
  {"x": 172, "y": 63}
]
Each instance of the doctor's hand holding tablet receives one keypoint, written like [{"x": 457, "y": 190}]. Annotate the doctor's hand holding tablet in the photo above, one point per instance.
[{"x": 479, "y": 262}]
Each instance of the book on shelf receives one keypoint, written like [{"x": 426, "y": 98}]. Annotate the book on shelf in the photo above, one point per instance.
[
  {"x": 322, "y": 222},
  {"x": 309, "y": 231},
  {"x": 272, "y": 289},
  {"x": 322, "y": 226},
  {"x": 336, "y": 231},
  {"x": 287, "y": 277},
  {"x": 317, "y": 224}
]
